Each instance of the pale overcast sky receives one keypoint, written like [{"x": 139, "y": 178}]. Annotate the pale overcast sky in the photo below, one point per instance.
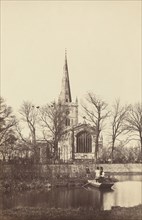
[{"x": 103, "y": 41}]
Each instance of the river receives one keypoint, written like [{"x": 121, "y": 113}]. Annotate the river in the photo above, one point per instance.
[{"x": 126, "y": 193}]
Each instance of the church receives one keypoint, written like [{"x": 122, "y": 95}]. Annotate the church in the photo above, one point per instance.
[{"x": 78, "y": 142}]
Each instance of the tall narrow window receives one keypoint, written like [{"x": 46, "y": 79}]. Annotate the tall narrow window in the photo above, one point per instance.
[
  {"x": 67, "y": 122},
  {"x": 84, "y": 142}
]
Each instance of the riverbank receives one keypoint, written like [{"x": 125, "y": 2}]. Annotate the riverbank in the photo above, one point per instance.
[
  {"x": 7, "y": 186},
  {"x": 47, "y": 171},
  {"x": 24, "y": 177},
  {"x": 116, "y": 213}
]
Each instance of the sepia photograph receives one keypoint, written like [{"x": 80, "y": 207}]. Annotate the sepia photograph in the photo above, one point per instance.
[{"x": 70, "y": 110}]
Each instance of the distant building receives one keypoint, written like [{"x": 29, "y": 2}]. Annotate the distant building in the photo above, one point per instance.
[{"x": 78, "y": 142}]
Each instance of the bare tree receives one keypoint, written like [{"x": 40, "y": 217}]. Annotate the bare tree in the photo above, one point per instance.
[
  {"x": 30, "y": 116},
  {"x": 7, "y": 123},
  {"x": 134, "y": 123},
  {"x": 24, "y": 142},
  {"x": 96, "y": 112},
  {"x": 118, "y": 119},
  {"x": 53, "y": 117}
]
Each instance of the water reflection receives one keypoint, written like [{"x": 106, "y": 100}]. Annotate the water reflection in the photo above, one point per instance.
[
  {"x": 64, "y": 198},
  {"x": 125, "y": 193},
  {"x": 126, "y": 177}
]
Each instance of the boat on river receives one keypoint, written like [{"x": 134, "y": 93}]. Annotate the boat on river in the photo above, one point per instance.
[{"x": 101, "y": 185}]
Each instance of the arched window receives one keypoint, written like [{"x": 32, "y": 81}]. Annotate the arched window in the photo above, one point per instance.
[
  {"x": 67, "y": 122},
  {"x": 84, "y": 142}
]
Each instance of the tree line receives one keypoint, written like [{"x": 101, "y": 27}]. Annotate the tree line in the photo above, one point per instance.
[{"x": 121, "y": 123}]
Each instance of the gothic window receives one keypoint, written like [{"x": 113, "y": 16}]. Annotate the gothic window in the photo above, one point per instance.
[
  {"x": 67, "y": 122},
  {"x": 84, "y": 142}
]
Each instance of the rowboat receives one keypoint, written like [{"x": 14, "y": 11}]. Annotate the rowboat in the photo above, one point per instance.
[{"x": 102, "y": 185}]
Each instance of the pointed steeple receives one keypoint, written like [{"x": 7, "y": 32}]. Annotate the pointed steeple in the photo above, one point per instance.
[{"x": 65, "y": 95}]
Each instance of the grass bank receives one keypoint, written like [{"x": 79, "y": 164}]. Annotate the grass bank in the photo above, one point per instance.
[
  {"x": 116, "y": 213},
  {"x": 39, "y": 184}
]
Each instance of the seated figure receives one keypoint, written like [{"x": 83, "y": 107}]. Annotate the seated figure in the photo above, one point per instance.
[
  {"x": 97, "y": 174},
  {"x": 102, "y": 175}
]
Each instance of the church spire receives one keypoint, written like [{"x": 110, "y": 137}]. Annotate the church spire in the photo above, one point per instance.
[
  {"x": 65, "y": 55},
  {"x": 65, "y": 95}
]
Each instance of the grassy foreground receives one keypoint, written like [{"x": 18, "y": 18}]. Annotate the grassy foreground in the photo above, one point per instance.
[{"x": 116, "y": 213}]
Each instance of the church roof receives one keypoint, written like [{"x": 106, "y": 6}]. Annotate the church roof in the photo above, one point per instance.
[{"x": 81, "y": 126}]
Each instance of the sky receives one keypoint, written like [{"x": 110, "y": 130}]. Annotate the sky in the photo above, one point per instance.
[{"x": 103, "y": 41}]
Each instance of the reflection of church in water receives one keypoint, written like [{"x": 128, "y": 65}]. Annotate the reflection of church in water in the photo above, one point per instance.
[{"x": 78, "y": 142}]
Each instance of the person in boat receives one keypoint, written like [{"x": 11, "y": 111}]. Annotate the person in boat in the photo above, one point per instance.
[
  {"x": 102, "y": 175},
  {"x": 87, "y": 171},
  {"x": 97, "y": 174}
]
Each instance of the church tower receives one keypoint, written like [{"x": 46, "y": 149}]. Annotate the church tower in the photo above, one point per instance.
[{"x": 65, "y": 97}]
